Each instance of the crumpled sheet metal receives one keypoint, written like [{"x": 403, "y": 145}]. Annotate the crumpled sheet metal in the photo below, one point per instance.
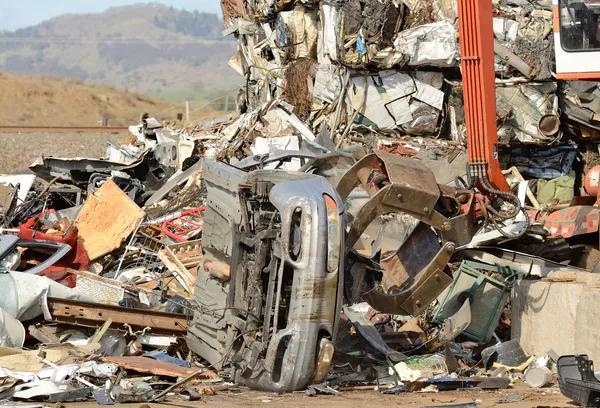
[
  {"x": 328, "y": 83},
  {"x": 369, "y": 26},
  {"x": 43, "y": 388},
  {"x": 24, "y": 181},
  {"x": 297, "y": 33},
  {"x": 366, "y": 328},
  {"x": 232, "y": 9},
  {"x": 532, "y": 116},
  {"x": 376, "y": 20},
  {"x": 429, "y": 45},
  {"x": 388, "y": 33},
  {"x": 583, "y": 93},
  {"x": 329, "y": 34},
  {"x": 378, "y": 34},
  {"x": 77, "y": 170},
  {"x": 452, "y": 327},
  {"x": 526, "y": 33},
  {"x": 273, "y": 119},
  {"x": 399, "y": 100},
  {"x": 505, "y": 29},
  {"x": 12, "y": 331},
  {"x": 580, "y": 105},
  {"x": 55, "y": 384}
]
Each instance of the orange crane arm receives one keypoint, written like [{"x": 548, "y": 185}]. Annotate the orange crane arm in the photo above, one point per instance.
[{"x": 475, "y": 21}]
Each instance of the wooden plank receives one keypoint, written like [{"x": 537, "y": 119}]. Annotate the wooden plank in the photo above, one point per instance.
[
  {"x": 517, "y": 175},
  {"x": 178, "y": 270},
  {"x": 189, "y": 253},
  {"x": 106, "y": 219}
]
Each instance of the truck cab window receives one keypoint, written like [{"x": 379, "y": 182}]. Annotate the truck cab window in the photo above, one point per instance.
[{"x": 579, "y": 25}]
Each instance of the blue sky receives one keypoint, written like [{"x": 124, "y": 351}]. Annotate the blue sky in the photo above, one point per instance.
[{"x": 23, "y": 13}]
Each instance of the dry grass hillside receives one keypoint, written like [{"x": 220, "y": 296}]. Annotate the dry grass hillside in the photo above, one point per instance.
[{"x": 34, "y": 100}]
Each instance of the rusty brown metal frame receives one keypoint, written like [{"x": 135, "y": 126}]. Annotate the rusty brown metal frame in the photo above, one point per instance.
[
  {"x": 95, "y": 315},
  {"x": 399, "y": 184}
]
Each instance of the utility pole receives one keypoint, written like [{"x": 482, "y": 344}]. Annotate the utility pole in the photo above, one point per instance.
[{"x": 187, "y": 111}]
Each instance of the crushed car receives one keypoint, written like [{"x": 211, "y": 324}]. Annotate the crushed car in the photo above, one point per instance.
[{"x": 269, "y": 288}]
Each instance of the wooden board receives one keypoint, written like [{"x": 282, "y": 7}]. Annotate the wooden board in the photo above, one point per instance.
[
  {"x": 26, "y": 360},
  {"x": 107, "y": 218}
]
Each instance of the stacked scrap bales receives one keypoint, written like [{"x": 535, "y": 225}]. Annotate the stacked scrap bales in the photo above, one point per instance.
[{"x": 358, "y": 70}]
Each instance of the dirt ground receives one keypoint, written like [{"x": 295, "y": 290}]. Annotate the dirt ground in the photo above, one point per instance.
[
  {"x": 37, "y": 100},
  {"x": 546, "y": 397},
  {"x": 19, "y": 150}
]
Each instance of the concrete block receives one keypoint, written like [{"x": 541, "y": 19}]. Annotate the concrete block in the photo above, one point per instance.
[
  {"x": 562, "y": 316},
  {"x": 590, "y": 279},
  {"x": 543, "y": 315},
  {"x": 587, "y": 327}
]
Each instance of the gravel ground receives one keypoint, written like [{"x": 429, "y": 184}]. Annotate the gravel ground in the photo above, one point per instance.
[
  {"x": 545, "y": 397},
  {"x": 19, "y": 150}
]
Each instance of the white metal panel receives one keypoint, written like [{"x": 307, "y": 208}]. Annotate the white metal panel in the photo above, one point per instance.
[{"x": 586, "y": 62}]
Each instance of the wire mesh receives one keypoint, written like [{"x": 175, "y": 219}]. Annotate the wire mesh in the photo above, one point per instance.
[
  {"x": 148, "y": 240},
  {"x": 142, "y": 252}
]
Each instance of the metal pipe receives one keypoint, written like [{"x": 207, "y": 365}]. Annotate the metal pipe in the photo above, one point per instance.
[
  {"x": 338, "y": 109},
  {"x": 127, "y": 248},
  {"x": 349, "y": 127},
  {"x": 512, "y": 59}
]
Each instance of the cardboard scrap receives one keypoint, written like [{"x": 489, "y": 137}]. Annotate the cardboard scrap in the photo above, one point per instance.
[
  {"x": 518, "y": 369},
  {"x": 155, "y": 367},
  {"x": 26, "y": 360},
  {"x": 107, "y": 218}
]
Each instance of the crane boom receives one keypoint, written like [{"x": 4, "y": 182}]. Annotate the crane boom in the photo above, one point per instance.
[{"x": 475, "y": 21}]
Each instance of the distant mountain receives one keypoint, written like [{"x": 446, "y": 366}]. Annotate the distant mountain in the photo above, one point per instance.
[{"x": 148, "y": 48}]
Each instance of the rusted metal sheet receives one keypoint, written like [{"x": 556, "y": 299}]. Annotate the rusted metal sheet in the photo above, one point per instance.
[
  {"x": 400, "y": 185},
  {"x": 413, "y": 184},
  {"x": 232, "y": 9},
  {"x": 152, "y": 366},
  {"x": 418, "y": 292},
  {"x": 573, "y": 221},
  {"x": 95, "y": 315},
  {"x": 414, "y": 254}
]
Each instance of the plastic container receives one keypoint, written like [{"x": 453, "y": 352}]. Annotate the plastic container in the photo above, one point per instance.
[{"x": 538, "y": 376}]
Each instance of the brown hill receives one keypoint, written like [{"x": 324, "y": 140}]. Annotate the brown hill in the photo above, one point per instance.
[{"x": 35, "y": 100}]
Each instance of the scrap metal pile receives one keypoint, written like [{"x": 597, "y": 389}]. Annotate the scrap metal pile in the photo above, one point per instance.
[{"x": 326, "y": 239}]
